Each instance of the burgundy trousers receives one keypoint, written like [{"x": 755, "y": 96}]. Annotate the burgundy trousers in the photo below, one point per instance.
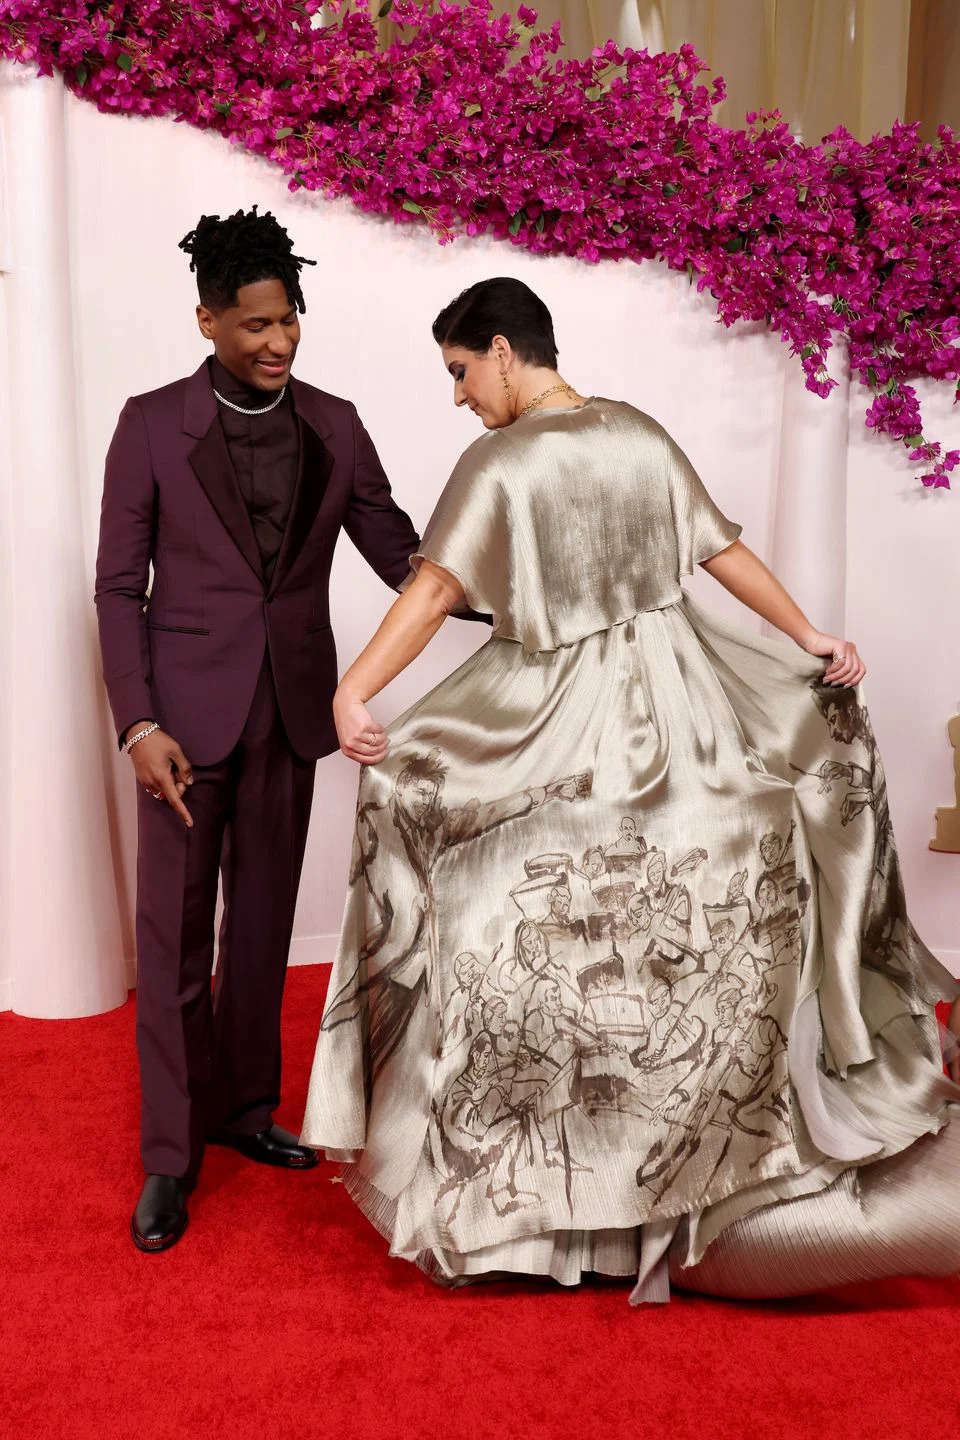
[{"x": 210, "y": 1062}]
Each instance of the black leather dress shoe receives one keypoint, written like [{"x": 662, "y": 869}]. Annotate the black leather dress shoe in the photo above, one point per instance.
[
  {"x": 161, "y": 1214},
  {"x": 270, "y": 1147}
]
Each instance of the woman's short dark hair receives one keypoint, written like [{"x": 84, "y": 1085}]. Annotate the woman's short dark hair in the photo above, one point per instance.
[{"x": 502, "y": 306}]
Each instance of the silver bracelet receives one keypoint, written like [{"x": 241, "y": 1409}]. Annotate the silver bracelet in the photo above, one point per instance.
[{"x": 140, "y": 735}]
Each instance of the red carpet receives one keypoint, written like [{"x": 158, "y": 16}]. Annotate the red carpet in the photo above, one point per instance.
[{"x": 280, "y": 1314}]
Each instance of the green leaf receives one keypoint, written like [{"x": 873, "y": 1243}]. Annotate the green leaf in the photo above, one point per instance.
[
  {"x": 283, "y": 132},
  {"x": 913, "y": 441},
  {"x": 732, "y": 246},
  {"x": 224, "y": 106},
  {"x": 385, "y": 9},
  {"x": 125, "y": 61},
  {"x": 469, "y": 110},
  {"x": 671, "y": 189},
  {"x": 516, "y": 222},
  {"x": 413, "y": 207},
  {"x": 802, "y": 193},
  {"x": 593, "y": 92},
  {"x": 261, "y": 35},
  {"x": 540, "y": 225},
  {"x": 807, "y": 351},
  {"x": 83, "y": 72}
]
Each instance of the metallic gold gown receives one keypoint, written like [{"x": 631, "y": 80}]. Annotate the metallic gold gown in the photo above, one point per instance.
[{"x": 626, "y": 982}]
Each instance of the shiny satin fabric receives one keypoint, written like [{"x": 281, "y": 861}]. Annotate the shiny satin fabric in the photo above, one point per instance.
[{"x": 625, "y": 959}]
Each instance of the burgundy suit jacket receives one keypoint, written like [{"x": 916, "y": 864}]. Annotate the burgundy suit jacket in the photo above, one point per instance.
[{"x": 190, "y": 654}]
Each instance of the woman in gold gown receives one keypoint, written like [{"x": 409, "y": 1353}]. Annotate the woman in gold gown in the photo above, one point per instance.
[{"x": 626, "y": 982}]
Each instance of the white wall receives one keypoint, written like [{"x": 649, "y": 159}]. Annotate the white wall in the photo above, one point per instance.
[
  {"x": 903, "y": 607},
  {"x": 637, "y": 333}
]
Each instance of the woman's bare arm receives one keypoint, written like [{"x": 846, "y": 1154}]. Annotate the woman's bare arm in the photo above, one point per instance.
[
  {"x": 407, "y": 628},
  {"x": 745, "y": 576}
]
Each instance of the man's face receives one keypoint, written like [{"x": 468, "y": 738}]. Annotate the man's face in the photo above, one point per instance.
[
  {"x": 560, "y": 904},
  {"x": 593, "y": 863},
  {"x": 770, "y": 849},
  {"x": 552, "y": 1002},
  {"x": 417, "y": 796},
  {"x": 638, "y": 910},
  {"x": 767, "y": 894},
  {"x": 842, "y": 724},
  {"x": 496, "y": 1018},
  {"x": 255, "y": 338},
  {"x": 726, "y": 1014},
  {"x": 659, "y": 997},
  {"x": 481, "y": 1059},
  {"x": 467, "y": 969}
]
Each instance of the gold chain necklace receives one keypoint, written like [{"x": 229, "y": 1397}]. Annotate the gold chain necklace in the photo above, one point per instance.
[{"x": 539, "y": 399}]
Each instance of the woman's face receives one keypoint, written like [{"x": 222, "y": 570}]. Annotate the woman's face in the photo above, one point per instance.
[
  {"x": 478, "y": 382},
  {"x": 529, "y": 944}
]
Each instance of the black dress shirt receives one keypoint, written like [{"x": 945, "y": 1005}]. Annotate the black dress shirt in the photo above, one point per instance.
[{"x": 265, "y": 451}]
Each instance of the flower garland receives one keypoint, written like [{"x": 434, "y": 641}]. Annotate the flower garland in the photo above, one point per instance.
[{"x": 459, "y": 125}]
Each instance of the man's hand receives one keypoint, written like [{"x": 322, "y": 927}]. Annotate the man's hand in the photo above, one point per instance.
[
  {"x": 161, "y": 768},
  {"x": 574, "y": 787},
  {"x": 361, "y": 738}
]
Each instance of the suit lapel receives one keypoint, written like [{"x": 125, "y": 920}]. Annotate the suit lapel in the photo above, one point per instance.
[
  {"x": 211, "y": 463},
  {"x": 313, "y": 474},
  {"x": 213, "y": 467}
]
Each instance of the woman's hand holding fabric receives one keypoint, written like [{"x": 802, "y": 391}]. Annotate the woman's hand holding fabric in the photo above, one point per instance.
[
  {"x": 846, "y": 667},
  {"x": 361, "y": 737}
]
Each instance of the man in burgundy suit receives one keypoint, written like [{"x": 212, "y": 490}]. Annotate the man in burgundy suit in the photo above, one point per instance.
[{"x": 234, "y": 484}]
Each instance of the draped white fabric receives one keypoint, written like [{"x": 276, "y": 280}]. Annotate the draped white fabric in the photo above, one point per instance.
[{"x": 96, "y": 303}]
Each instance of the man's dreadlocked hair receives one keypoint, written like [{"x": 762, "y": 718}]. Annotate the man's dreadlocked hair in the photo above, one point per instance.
[{"x": 240, "y": 250}]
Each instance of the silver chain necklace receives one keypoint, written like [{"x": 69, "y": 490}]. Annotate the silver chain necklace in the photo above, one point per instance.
[{"x": 243, "y": 410}]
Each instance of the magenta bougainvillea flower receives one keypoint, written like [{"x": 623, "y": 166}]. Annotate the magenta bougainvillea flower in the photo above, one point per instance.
[{"x": 475, "y": 124}]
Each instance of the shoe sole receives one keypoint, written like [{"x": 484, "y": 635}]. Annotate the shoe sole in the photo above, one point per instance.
[{"x": 156, "y": 1247}]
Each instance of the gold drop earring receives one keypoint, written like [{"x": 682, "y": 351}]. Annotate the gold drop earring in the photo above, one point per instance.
[{"x": 506, "y": 389}]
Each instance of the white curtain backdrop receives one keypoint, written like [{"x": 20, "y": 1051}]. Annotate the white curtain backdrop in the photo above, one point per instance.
[{"x": 96, "y": 303}]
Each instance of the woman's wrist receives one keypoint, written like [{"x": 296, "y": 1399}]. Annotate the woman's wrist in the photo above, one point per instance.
[
  {"x": 349, "y": 693},
  {"x": 805, "y": 635}
]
